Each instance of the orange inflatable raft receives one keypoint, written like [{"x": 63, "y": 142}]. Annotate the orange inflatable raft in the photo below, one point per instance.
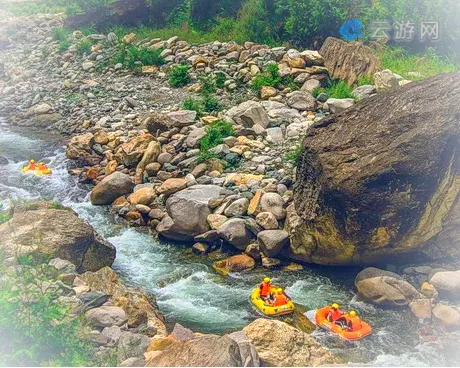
[{"x": 321, "y": 321}]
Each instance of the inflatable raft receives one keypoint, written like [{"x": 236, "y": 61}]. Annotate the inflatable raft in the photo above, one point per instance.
[
  {"x": 26, "y": 170},
  {"x": 319, "y": 318},
  {"x": 267, "y": 309}
]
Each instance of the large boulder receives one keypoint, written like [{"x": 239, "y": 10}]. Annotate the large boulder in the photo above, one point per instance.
[
  {"x": 349, "y": 61},
  {"x": 80, "y": 148},
  {"x": 203, "y": 351},
  {"x": 447, "y": 316},
  {"x": 110, "y": 188},
  {"x": 236, "y": 233},
  {"x": 131, "y": 345},
  {"x": 237, "y": 263},
  {"x": 272, "y": 241},
  {"x": 106, "y": 316},
  {"x": 385, "y": 288},
  {"x": 58, "y": 233},
  {"x": 187, "y": 212},
  {"x": 131, "y": 152},
  {"x": 281, "y": 345},
  {"x": 248, "y": 114},
  {"x": 301, "y": 100},
  {"x": 380, "y": 182},
  {"x": 447, "y": 283}
]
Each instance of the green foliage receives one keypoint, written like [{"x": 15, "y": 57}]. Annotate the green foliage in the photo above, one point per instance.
[
  {"x": 335, "y": 89},
  {"x": 84, "y": 47},
  {"x": 365, "y": 81},
  {"x": 293, "y": 154},
  {"x": 64, "y": 45},
  {"x": 60, "y": 34},
  {"x": 132, "y": 56},
  {"x": 220, "y": 79},
  {"x": 4, "y": 215},
  {"x": 39, "y": 330},
  {"x": 215, "y": 134},
  {"x": 178, "y": 76},
  {"x": 211, "y": 104},
  {"x": 268, "y": 78}
]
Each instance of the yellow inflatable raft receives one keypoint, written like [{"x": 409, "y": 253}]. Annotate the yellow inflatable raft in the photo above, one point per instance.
[
  {"x": 267, "y": 309},
  {"x": 26, "y": 170}
]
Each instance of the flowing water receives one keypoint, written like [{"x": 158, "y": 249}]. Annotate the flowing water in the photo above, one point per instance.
[{"x": 187, "y": 289}]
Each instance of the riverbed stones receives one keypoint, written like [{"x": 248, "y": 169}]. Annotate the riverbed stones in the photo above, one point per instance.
[
  {"x": 143, "y": 196},
  {"x": 267, "y": 220},
  {"x": 421, "y": 308},
  {"x": 281, "y": 345},
  {"x": 248, "y": 114},
  {"x": 273, "y": 203},
  {"x": 447, "y": 283},
  {"x": 187, "y": 212},
  {"x": 235, "y": 232},
  {"x": 237, "y": 208},
  {"x": 110, "y": 188},
  {"x": 106, "y": 316},
  {"x": 172, "y": 186},
  {"x": 385, "y": 288},
  {"x": 272, "y": 241}
]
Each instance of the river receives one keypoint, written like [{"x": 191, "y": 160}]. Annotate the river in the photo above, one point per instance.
[{"x": 187, "y": 289}]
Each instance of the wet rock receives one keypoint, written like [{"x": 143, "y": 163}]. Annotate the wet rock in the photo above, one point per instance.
[
  {"x": 281, "y": 345},
  {"x": 238, "y": 263},
  {"x": 447, "y": 283},
  {"x": 446, "y": 316},
  {"x": 267, "y": 220},
  {"x": 110, "y": 188},
  {"x": 421, "y": 308},
  {"x": 429, "y": 291},
  {"x": 385, "y": 288}
]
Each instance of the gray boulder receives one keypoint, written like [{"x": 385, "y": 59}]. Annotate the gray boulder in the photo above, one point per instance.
[
  {"x": 385, "y": 288},
  {"x": 132, "y": 345},
  {"x": 248, "y": 114},
  {"x": 273, "y": 203},
  {"x": 187, "y": 213},
  {"x": 106, "y": 316},
  {"x": 235, "y": 232},
  {"x": 362, "y": 92},
  {"x": 237, "y": 208},
  {"x": 249, "y": 356},
  {"x": 195, "y": 136},
  {"x": 301, "y": 100},
  {"x": 447, "y": 283},
  {"x": 179, "y": 119},
  {"x": 110, "y": 188},
  {"x": 337, "y": 105},
  {"x": 272, "y": 241}
]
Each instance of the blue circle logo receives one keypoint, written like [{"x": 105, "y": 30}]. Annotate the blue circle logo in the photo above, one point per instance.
[{"x": 352, "y": 30}]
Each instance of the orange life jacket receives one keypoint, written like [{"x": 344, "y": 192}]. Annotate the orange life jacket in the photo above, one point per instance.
[
  {"x": 42, "y": 167},
  {"x": 280, "y": 300},
  {"x": 32, "y": 166},
  {"x": 334, "y": 314},
  {"x": 354, "y": 322},
  {"x": 264, "y": 289}
]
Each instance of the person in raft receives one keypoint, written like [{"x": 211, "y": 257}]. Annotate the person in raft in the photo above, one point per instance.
[
  {"x": 42, "y": 167},
  {"x": 32, "y": 165},
  {"x": 281, "y": 298},
  {"x": 265, "y": 289},
  {"x": 353, "y": 322},
  {"x": 335, "y": 314}
]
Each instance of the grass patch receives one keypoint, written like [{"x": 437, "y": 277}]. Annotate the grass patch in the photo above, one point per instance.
[
  {"x": 293, "y": 153},
  {"x": 416, "y": 66},
  {"x": 84, "y": 47},
  {"x": 215, "y": 134},
  {"x": 268, "y": 78},
  {"x": 4, "y": 215},
  {"x": 178, "y": 76},
  {"x": 335, "y": 89}
]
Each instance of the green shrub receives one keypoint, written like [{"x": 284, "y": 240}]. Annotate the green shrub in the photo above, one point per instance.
[
  {"x": 211, "y": 104},
  {"x": 293, "y": 154},
  {"x": 60, "y": 34},
  {"x": 64, "y": 45},
  {"x": 194, "y": 105},
  {"x": 144, "y": 56},
  {"x": 268, "y": 78},
  {"x": 335, "y": 89},
  {"x": 4, "y": 215},
  {"x": 178, "y": 76},
  {"x": 208, "y": 85},
  {"x": 220, "y": 79},
  {"x": 84, "y": 47},
  {"x": 215, "y": 134}
]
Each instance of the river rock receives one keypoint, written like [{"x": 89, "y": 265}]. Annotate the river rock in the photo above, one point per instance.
[
  {"x": 238, "y": 263},
  {"x": 132, "y": 345},
  {"x": 337, "y": 105},
  {"x": 281, "y": 345},
  {"x": 385, "y": 288},
  {"x": 106, "y": 316},
  {"x": 249, "y": 356},
  {"x": 272, "y": 241},
  {"x": 273, "y": 203},
  {"x": 385, "y": 81},
  {"x": 203, "y": 351},
  {"x": 216, "y": 220},
  {"x": 352, "y": 183},
  {"x": 181, "y": 118},
  {"x": 446, "y": 316},
  {"x": 187, "y": 212},
  {"x": 110, "y": 188},
  {"x": 248, "y": 114},
  {"x": 301, "y": 100},
  {"x": 267, "y": 220},
  {"x": 447, "y": 283},
  {"x": 142, "y": 196},
  {"x": 237, "y": 208},
  {"x": 235, "y": 232},
  {"x": 131, "y": 152},
  {"x": 421, "y": 308},
  {"x": 172, "y": 186},
  {"x": 58, "y": 233}
]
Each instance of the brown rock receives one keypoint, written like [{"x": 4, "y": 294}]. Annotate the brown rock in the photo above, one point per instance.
[
  {"x": 171, "y": 186},
  {"x": 142, "y": 196},
  {"x": 238, "y": 263},
  {"x": 111, "y": 167},
  {"x": 421, "y": 308},
  {"x": 446, "y": 316},
  {"x": 101, "y": 137},
  {"x": 215, "y": 220}
]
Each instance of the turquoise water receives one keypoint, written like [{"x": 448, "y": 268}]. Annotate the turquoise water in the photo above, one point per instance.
[{"x": 187, "y": 289}]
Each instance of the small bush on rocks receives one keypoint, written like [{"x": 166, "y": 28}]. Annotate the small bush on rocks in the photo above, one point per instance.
[
  {"x": 64, "y": 45},
  {"x": 215, "y": 134},
  {"x": 269, "y": 78},
  {"x": 4, "y": 215},
  {"x": 178, "y": 76},
  {"x": 335, "y": 89},
  {"x": 60, "y": 34},
  {"x": 194, "y": 105},
  {"x": 84, "y": 47},
  {"x": 293, "y": 154}
]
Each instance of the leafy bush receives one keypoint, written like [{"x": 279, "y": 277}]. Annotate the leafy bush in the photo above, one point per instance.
[
  {"x": 60, "y": 34},
  {"x": 215, "y": 134},
  {"x": 211, "y": 104},
  {"x": 178, "y": 76},
  {"x": 335, "y": 89},
  {"x": 220, "y": 79},
  {"x": 64, "y": 45},
  {"x": 293, "y": 154},
  {"x": 84, "y": 47},
  {"x": 268, "y": 78},
  {"x": 194, "y": 105}
]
